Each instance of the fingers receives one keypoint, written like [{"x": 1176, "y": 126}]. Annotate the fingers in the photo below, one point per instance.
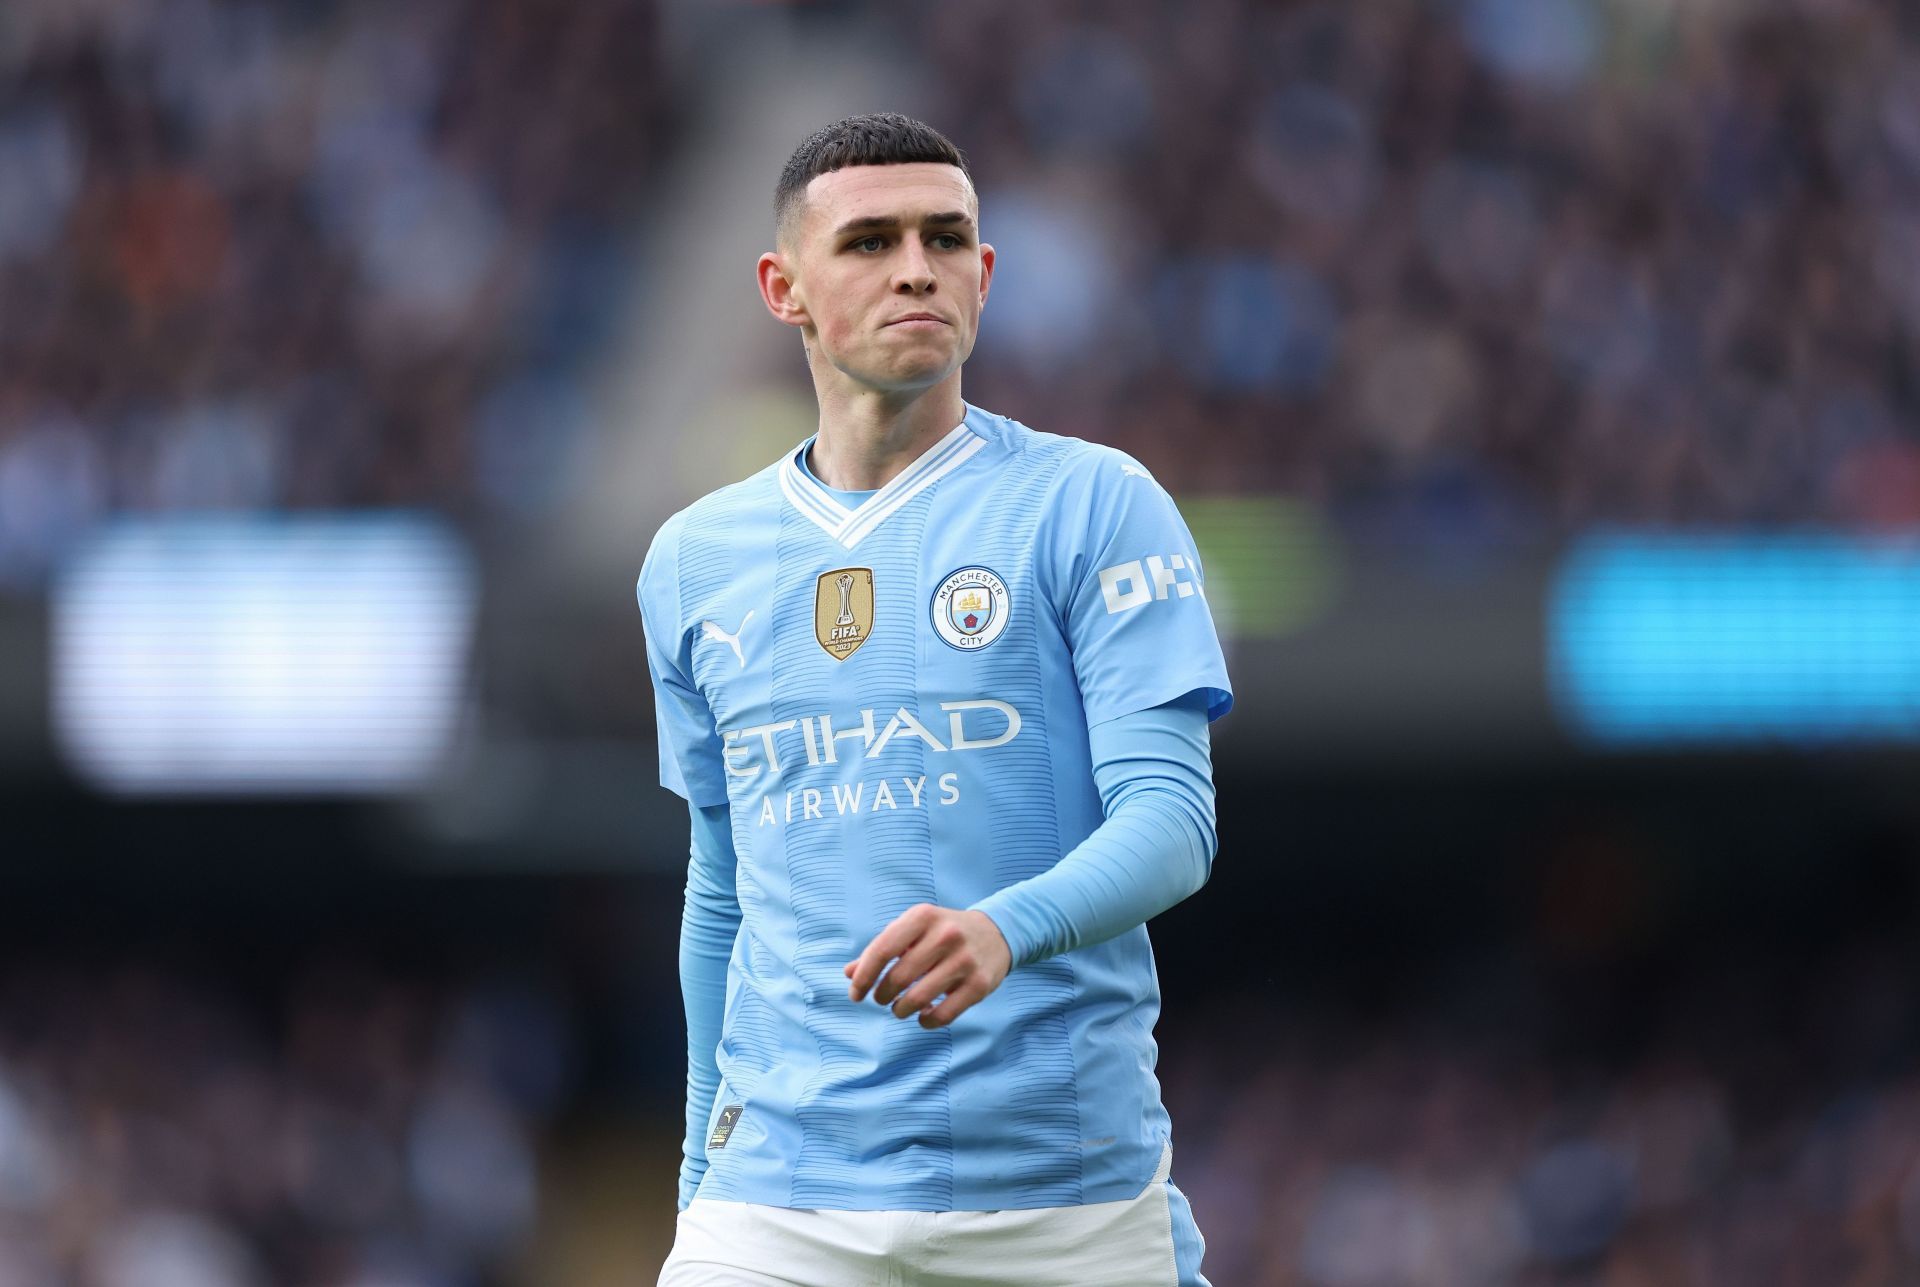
[
  {"x": 896, "y": 938},
  {"x": 943, "y": 942},
  {"x": 932, "y": 960},
  {"x": 950, "y": 974},
  {"x": 958, "y": 1002}
]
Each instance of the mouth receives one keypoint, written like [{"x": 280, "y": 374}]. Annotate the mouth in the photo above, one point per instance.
[{"x": 917, "y": 319}]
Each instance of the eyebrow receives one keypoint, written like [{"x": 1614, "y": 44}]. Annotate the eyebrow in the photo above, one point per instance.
[{"x": 945, "y": 219}]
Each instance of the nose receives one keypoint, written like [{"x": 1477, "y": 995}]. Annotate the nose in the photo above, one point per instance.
[{"x": 914, "y": 274}]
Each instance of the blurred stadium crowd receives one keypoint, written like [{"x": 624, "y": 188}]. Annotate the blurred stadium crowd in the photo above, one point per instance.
[
  {"x": 1462, "y": 270},
  {"x": 1454, "y": 268},
  {"x": 262, "y": 255},
  {"x": 360, "y": 1128},
  {"x": 1430, "y": 1149}
]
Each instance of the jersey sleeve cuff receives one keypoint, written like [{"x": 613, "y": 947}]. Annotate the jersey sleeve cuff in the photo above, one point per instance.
[{"x": 1219, "y": 700}]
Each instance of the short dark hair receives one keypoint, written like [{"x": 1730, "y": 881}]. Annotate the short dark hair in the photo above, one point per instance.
[{"x": 876, "y": 138}]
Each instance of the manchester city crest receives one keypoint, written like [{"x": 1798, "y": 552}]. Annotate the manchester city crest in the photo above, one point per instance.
[{"x": 970, "y": 608}]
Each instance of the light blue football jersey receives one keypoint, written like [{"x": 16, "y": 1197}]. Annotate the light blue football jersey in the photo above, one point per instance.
[{"x": 893, "y": 701}]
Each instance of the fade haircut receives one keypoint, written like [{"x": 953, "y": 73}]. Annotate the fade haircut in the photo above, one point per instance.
[{"x": 877, "y": 138}]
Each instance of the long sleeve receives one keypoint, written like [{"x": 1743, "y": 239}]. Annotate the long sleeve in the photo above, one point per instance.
[
  {"x": 708, "y": 926},
  {"x": 1155, "y": 847}
]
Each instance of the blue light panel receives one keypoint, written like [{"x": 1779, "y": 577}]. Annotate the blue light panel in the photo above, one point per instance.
[{"x": 1809, "y": 638}]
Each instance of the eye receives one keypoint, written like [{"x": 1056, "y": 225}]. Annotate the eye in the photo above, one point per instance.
[
  {"x": 953, "y": 240},
  {"x": 870, "y": 244}
]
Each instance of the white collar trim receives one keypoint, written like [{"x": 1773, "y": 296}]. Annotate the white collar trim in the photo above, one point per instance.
[{"x": 849, "y": 526}]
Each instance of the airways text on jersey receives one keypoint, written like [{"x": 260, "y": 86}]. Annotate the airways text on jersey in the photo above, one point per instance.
[{"x": 763, "y": 752}]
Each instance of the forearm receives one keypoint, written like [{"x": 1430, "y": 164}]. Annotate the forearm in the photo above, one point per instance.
[
  {"x": 1155, "y": 847},
  {"x": 709, "y": 924}
]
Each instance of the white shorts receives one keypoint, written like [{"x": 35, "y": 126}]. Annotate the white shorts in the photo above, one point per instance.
[{"x": 1114, "y": 1244}]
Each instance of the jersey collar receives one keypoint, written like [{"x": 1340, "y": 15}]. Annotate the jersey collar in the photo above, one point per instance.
[{"x": 848, "y": 526}]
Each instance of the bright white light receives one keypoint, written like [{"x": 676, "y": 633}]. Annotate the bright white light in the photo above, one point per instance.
[{"x": 214, "y": 655}]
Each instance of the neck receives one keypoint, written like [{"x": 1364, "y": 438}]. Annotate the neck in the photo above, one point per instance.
[{"x": 867, "y": 436}]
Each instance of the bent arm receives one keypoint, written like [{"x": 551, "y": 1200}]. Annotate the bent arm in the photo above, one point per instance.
[
  {"x": 708, "y": 926},
  {"x": 1155, "y": 848}
]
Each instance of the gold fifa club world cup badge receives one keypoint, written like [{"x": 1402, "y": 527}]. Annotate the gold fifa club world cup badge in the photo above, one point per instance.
[{"x": 843, "y": 610}]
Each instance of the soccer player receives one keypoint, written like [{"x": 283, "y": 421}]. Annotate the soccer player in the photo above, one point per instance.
[{"x": 936, "y": 687}]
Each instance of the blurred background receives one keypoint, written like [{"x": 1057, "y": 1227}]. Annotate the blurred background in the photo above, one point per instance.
[{"x": 1541, "y": 379}]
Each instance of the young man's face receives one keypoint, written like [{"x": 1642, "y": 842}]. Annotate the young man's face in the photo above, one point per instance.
[{"x": 876, "y": 246}]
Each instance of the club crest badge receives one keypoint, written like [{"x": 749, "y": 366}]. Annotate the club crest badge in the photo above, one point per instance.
[
  {"x": 970, "y": 608},
  {"x": 843, "y": 610}
]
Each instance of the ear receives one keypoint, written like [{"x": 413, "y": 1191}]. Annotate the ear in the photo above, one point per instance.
[
  {"x": 777, "y": 289},
  {"x": 986, "y": 271}
]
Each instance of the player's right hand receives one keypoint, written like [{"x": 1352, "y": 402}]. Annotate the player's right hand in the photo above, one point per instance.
[{"x": 936, "y": 952}]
